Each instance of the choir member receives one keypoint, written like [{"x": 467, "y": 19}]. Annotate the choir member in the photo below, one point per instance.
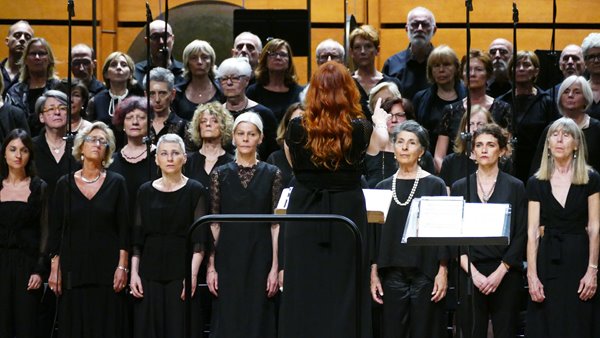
[{"x": 278, "y": 157}]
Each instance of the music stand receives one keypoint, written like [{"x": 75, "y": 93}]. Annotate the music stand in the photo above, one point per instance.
[{"x": 449, "y": 221}]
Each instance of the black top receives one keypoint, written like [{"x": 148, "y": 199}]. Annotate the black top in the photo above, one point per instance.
[
  {"x": 454, "y": 167},
  {"x": 364, "y": 96},
  {"x": 594, "y": 110},
  {"x": 98, "y": 229},
  {"x": 194, "y": 167},
  {"x": 24, "y": 225},
  {"x": 185, "y": 108},
  {"x": 11, "y": 117},
  {"x": 279, "y": 160},
  {"x": 47, "y": 167},
  {"x": 507, "y": 190},
  {"x": 533, "y": 114},
  {"x": 98, "y": 106},
  {"x": 135, "y": 175},
  {"x": 592, "y": 141},
  {"x": 429, "y": 109},
  {"x": 384, "y": 165},
  {"x": 8, "y": 82},
  {"x": 269, "y": 143},
  {"x": 21, "y": 96},
  {"x": 95, "y": 86},
  {"x": 276, "y": 101},
  {"x": 160, "y": 228},
  {"x": 450, "y": 123},
  {"x": 496, "y": 88},
  {"x": 174, "y": 125},
  {"x": 411, "y": 73},
  {"x": 391, "y": 252}
]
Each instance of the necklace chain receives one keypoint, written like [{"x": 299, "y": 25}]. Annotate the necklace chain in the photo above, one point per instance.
[
  {"x": 93, "y": 180},
  {"x": 412, "y": 191},
  {"x": 485, "y": 196},
  {"x": 133, "y": 157}
]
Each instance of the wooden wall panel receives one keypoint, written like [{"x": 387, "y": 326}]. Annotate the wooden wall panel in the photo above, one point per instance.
[
  {"x": 538, "y": 11},
  {"x": 44, "y": 10}
]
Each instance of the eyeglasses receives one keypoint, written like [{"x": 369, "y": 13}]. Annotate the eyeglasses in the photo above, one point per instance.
[
  {"x": 51, "y": 109},
  {"x": 155, "y": 37},
  {"x": 416, "y": 24},
  {"x": 329, "y": 56},
  {"x": 593, "y": 57},
  {"x": 232, "y": 78},
  {"x": 502, "y": 51},
  {"x": 397, "y": 116},
  {"x": 39, "y": 54},
  {"x": 81, "y": 62},
  {"x": 282, "y": 55},
  {"x": 96, "y": 140}
]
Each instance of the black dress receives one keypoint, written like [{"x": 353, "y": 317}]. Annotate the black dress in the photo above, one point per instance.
[
  {"x": 319, "y": 258},
  {"x": 377, "y": 167},
  {"x": 244, "y": 251},
  {"x": 194, "y": 167},
  {"x": 98, "y": 229},
  {"x": 407, "y": 272},
  {"x": 185, "y": 108},
  {"x": 135, "y": 175},
  {"x": 562, "y": 260},
  {"x": 48, "y": 169},
  {"x": 159, "y": 239},
  {"x": 23, "y": 229},
  {"x": 278, "y": 102},
  {"x": 504, "y": 304},
  {"x": 279, "y": 160}
]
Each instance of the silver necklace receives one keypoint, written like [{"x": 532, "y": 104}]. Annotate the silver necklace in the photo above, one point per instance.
[
  {"x": 485, "y": 197},
  {"x": 412, "y": 191},
  {"x": 88, "y": 181},
  {"x": 56, "y": 149}
]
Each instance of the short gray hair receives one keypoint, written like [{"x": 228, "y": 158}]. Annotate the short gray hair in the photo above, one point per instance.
[
  {"x": 415, "y": 128},
  {"x": 331, "y": 43},
  {"x": 195, "y": 47},
  {"x": 171, "y": 138},
  {"x": 585, "y": 88},
  {"x": 55, "y": 94},
  {"x": 234, "y": 66},
  {"x": 160, "y": 74},
  {"x": 589, "y": 42}
]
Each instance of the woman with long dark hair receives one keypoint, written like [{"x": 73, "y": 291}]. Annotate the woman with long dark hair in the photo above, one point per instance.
[
  {"x": 23, "y": 235},
  {"x": 327, "y": 145}
]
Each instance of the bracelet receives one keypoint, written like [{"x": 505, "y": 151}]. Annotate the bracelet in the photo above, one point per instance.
[
  {"x": 121, "y": 267},
  {"x": 380, "y": 126},
  {"x": 593, "y": 266},
  {"x": 506, "y": 266}
]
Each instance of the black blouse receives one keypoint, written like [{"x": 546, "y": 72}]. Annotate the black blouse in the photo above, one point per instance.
[{"x": 161, "y": 225}]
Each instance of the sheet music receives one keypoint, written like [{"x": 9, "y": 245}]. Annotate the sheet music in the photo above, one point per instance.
[{"x": 440, "y": 216}]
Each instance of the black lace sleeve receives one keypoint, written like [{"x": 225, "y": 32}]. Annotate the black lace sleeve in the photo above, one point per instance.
[{"x": 215, "y": 193}]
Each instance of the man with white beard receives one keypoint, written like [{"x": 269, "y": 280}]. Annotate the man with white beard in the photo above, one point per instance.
[
  {"x": 409, "y": 66},
  {"x": 500, "y": 51}
]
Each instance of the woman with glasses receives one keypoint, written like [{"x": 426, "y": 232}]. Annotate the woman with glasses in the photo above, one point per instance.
[
  {"x": 591, "y": 55},
  {"x": 446, "y": 88},
  {"x": 37, "y": 76},
  {"x": 200, "y": 85},
  {"x": 234, "y": 76},
  {"x": 52, "y": 157},
  {"x": 276, "y": 84},
  {"x": 448, "y": 129},
  {"x": 89, "y": 241}
]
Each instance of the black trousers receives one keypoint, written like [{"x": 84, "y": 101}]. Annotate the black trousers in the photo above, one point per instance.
[
  {"x": 502, "y": 306},
  {"x": 407, "y": 307}
]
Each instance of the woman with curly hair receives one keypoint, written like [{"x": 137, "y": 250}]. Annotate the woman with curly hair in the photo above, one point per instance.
[{"x": 327, "y": 146}]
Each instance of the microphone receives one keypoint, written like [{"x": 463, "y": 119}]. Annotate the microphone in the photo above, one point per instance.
[{"x": 515, "y": 12}]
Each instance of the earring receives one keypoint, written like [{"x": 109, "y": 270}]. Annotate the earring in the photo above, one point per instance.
[
  {"x": 81, "y": 157},
  {"x": 575, "y": 154},
  {"x": 549, "y": 153}
]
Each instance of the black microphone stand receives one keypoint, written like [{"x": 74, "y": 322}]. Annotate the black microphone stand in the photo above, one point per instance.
[
  {"x": 165, "y": 49},
  {"x": 514, "y": 141},
  {"x": 148, "y": 138},
  {"x": 553, "y": 54},
  {"x": 467, "y": 138},
  {"x": 68, "y": 146}
]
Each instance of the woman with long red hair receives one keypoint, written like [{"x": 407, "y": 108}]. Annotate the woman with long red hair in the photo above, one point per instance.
[{"x": 326, "y": 147}]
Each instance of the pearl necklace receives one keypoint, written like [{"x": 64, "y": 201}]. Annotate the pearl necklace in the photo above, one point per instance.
[
  {"x": 412, "y": 191},
  {"x": 127, "y": 157},
  {"x": 485, "y": 196}
]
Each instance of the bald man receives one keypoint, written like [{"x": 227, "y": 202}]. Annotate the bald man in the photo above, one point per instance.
[
  {"x": 501, "y": 51},
  {"x": 409, "y": 66},
  {"x": 160, "y": 52},
  {"x": 17, "y": 38},
  {"x": 571, "y": 63},
  {"x": 83, "y": 64}
]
